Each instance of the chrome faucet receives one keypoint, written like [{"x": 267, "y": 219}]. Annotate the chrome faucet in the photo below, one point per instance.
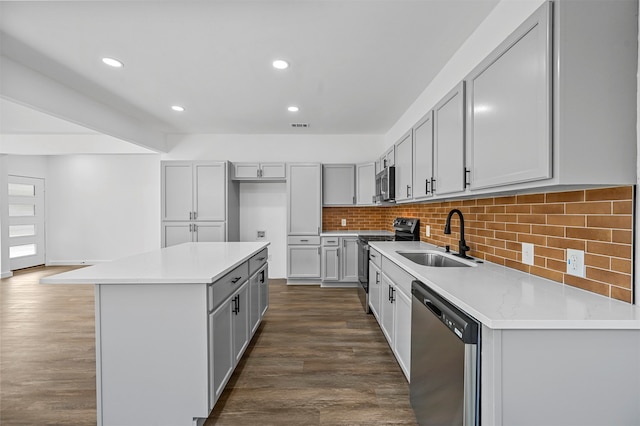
[{"x": 463, "y": 248}]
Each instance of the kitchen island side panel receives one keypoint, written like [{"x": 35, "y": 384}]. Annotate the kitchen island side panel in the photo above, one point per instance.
[
  {"x": 152, "y": 354},
  {"x": 566, "y": 377}
]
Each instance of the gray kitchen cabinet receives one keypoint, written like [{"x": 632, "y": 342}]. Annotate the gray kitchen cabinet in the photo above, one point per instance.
[
  {"x": 375, "y": 285},
  {"x": 568, "y": 119},
  {"x": 340, "y": 259},
  {"x": 365, "y": 184},
  {"x": 388, "y": 159},
  {"x": 303, "y": 261},
  {"x": 304, "y": 221},
  {"x": 338, "y": 184},
  {"x": 331, "y": 263},
  {"x": 395, "y": 312},
  {"x": 404, "y": 167},
  {"x": 199, "y": 202},
  {"x": 220, "y": 351},
  {"x": 257, "y": 304},
  {"x": 182, "y": 232},
  {"x": 240, "y": 320},
  {"x": 423, "y": 158},
  {"x": 448, "y": 141},
  {"x": 259, "y": 171},
  {"x": 509, "y": 108},
  {"x": 349, "y": 259},
  {"x": 304, "y": 199}
]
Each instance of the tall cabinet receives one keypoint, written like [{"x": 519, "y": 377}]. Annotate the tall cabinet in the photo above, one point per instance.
[
  {"x": 199, "y": 202},
  {"x": 304, "y": 221}
]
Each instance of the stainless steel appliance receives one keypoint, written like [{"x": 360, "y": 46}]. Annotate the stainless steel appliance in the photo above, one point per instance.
[
  {"x": 445, "y": 361},
  {"x": 405, "y": 229},
  {"x": 385, "y": 185}
]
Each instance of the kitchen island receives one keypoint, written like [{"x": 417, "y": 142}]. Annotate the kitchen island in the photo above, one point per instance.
[
  {"x": 550, "y": 353},
  {"x": 171, "y": 325}
]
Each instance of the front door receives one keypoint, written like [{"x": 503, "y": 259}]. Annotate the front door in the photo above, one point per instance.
[{"x": 26, "y": 222}]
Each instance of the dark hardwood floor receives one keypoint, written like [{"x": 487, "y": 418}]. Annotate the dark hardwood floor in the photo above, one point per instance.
[{"x": 316, "y": 359}]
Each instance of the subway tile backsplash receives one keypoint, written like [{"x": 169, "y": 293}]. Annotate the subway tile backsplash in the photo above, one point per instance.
[{"x": 598, "y": 221}]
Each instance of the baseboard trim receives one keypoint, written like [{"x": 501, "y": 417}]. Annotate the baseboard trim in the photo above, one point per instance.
[
  {"x": 74, "y": 262},
  {"x": 7, "y": 274}
]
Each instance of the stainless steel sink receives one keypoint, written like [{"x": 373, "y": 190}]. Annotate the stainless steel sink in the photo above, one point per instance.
[{"x": 433, "y": 258}]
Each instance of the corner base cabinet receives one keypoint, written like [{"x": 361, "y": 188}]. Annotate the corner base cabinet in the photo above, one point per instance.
[{"x": 171, "y": 326}]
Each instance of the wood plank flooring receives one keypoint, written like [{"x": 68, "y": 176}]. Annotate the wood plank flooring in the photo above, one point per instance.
[{"x": 317, "y": 359}]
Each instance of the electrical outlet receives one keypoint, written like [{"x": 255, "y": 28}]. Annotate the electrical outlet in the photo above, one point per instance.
[
  {"x": 427, "y": 231},
  {"x": 344, "y": 222},
  {"x": 527, "y": 253},
  {"x": 575, "y": 263},
  {"x": 261, "y": 234}
]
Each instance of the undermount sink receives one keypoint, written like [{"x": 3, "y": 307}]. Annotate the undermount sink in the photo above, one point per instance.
[{"x": 433, "y": 258}]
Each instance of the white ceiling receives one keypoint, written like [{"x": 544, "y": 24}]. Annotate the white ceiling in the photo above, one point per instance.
[{"x": 356, "y": 65}]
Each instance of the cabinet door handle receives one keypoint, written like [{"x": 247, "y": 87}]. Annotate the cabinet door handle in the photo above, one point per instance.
[
  {"x": 262, "y": 277},
  {"x": 393, "y": 294},
  {"x": 426, "y": 186},
  {"x": 377, "y": 277},
  {"x": 433, "y": 185},
  {"x": 195, "y": 215},
  {"x": 467, "y": 177},
  {"x": 190, "y": 215},
  {"x": 195, "y": 228},
  {"x": 408, "y": 191}
]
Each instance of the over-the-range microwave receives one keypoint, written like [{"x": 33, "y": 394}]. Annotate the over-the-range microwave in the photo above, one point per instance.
[{"x": 385, "y": 185}]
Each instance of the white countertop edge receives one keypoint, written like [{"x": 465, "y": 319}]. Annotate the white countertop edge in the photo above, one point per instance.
[
  {"x": 209, "y": 274},
  {"x": 627, "y": 315}
]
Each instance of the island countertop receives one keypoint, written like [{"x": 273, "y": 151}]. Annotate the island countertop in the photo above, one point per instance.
[
  {"x": 188, "y": 263},
  {"x": 504, "y": 298}
]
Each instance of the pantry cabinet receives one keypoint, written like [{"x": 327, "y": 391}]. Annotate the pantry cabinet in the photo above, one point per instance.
[
  {"x": 423, "y": 158},
  {"x": 448, "y": 142},
  {"x": 199, "y": 202},
  {"x": 338, "y": 184},
  {"x": 404, "y": 167}
]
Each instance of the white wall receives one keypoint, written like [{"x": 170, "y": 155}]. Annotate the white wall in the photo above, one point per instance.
[
  {"x": 101, "y": 207},
  {"x": 263, "y": 207},
  {"x": 501, "y": 22}
]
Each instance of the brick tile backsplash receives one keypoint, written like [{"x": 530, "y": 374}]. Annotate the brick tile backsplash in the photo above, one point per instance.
[{"x": 598, "y": 221}]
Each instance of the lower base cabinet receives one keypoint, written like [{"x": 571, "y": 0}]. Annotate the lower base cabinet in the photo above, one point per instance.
[
  {"x": 375, "y": 285},
  {"x": 394, "y": 314}
]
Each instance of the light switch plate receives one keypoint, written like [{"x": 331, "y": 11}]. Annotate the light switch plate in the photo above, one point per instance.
[
  {"x": 527, "y": 253},
  {"x": 575, "y": 263}
]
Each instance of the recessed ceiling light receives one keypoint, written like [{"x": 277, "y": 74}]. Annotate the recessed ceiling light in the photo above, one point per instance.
[
  {"x": 113, "y": 62},
  {"x": 280, "y": 64},
  {"x": 293, "y": 109},
  {"x": 177, "y": 108}
]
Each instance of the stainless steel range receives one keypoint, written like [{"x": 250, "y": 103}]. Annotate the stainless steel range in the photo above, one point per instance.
[{"x": 405, "y": 229}]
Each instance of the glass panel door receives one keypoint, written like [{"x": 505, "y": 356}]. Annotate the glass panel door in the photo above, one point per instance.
[{"x": 26, "y": 222}]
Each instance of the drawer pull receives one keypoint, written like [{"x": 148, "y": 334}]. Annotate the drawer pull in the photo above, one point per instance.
[
  {"x": 304, "y": 241},
  {"x": 235, "y": 280},
  {"x": 261, "y": 259}
]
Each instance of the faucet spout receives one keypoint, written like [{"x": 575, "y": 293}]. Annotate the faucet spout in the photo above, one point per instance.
[{"x": 463, "y": 248}]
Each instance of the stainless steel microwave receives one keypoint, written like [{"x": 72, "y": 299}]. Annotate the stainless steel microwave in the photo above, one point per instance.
[{"x": 386, "y": 185}]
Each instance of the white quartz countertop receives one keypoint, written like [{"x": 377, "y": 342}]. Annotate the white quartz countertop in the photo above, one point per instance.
[
  {"x": 504, "y": 298},
  {"x": 189, "y": 263},
  {"x": 356, "y": 233}
]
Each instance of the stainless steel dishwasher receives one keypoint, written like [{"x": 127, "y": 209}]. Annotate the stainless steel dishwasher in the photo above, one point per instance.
[{"x": 445, "y": 362}]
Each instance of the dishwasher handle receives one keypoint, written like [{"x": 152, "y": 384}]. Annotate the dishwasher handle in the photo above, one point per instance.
[{"x": 458, "y": 322}]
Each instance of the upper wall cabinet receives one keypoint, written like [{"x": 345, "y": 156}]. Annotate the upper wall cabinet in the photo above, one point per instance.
[
  {"x": 555, "y": 104},
  {"x": 194, "y": 190},
  {"x": 259, "y": 171},
  {"x": 365, "y": 184},
  {"x": 448, "y": 141},
  {"x": 338, "y": 184},
  {"x": 404, "y": 167},
  {"x": 423, "y": 157},
  {"x": 509, "y": 108}
]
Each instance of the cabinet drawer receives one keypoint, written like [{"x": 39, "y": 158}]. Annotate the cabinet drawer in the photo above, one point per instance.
[
  {"x": 396, "y": 274},
  {"x": 257, "y": 261},
  {"x": 330, "y": 241},
  {"x": 375, "y": 257},
  {"x": 304, "y": 240},
  {"x": 225, "y": 286}
]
